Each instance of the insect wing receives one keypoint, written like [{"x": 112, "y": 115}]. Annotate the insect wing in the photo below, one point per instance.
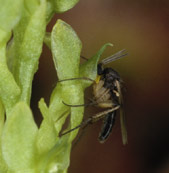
[
  {"x": 114, "y": 57},
  {"x": 122, "y": 115}
]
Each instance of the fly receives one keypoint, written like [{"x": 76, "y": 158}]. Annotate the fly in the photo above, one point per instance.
[{"x": 106, "y": 94}]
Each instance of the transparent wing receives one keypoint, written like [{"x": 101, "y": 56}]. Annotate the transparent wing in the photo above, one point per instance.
[
  {"x": 122, "y": 115},
  {"x": 114, "y": 57}
]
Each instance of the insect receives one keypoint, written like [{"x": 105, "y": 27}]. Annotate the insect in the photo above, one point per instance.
[{"x": 106, "y": 94}]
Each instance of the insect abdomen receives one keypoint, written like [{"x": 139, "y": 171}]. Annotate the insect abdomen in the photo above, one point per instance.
[{"x": 107, "y": 126}]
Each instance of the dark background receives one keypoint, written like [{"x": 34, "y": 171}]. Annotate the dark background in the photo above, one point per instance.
[{"x": 142, "y": 28}]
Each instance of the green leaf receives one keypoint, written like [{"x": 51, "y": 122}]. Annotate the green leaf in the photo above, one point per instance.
[
  {"x": 70, "y": 94},
  {"x": 89, "y": 68},
  {"x": 73, "y": 95},
  {"x": 50, "y": 11},
  {"x": 31, "y": 6},
  {"x": 57, "y": 159},
  {"x": 2, "y": 117},
  {"x": 3, "y": 166},
  {"x": 47, "y": 135},
  {"x": 66, "y": 48},
  {"x": 10, "y": 13},
  {"x": 9, "y": 90},
  {"x": 18, "y": 139},
  {"x": 64, "y": 5},
  {"x": 57, "y": 109},
  {"x": 27, "y": 47}
]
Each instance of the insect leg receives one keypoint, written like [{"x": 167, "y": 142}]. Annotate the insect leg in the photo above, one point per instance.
[
  {"x": 83, "y": 124},
  {"x": 92, "y": 119},
  {"x": 80, "y": 78},
  {"x": 89, "y": 104},
  {"x": 102, "y": 114}
]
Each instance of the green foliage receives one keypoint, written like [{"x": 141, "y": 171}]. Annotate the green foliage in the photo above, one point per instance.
[
  {"x": 10, "y": 14},
  {"x": 63, "y": 5},
  {"x": 18, "y": 139},
  {"x": 9, "y": 90},
  {"x": 23, "y": 146},
  {"x": 26, "y": 47}
]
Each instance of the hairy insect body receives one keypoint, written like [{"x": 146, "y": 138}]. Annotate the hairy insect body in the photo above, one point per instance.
[
  {"x": 105, "y": 90},
  {"x": 106, "y": 95},
  {"x": 102, "y": 95}
]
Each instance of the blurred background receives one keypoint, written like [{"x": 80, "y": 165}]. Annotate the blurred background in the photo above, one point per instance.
[{"x": 142, "y": 28}]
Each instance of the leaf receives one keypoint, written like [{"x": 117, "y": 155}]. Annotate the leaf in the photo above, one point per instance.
[
  {"x": 50, "y": 11},
  {"x": 57, "y": 159},
  {"x": 66, "y": 48},
  {"x": 64, "y": 5},
  {"x": 27, "y": 47},
  {"x": 18, "y": 139},
  {"x": 73, "y": 95},
  {"x": 47, "y": 134},
  {"x": 57, "y": 109},
  {"x": 2, "y": 117},
  {"x": 9, "y": 90},
  {"x": 31, "y": 6},
  {"x": 70, "y": 94},
  {"x": 10, "y": 13},
  {"x": 3, "y": 166}
]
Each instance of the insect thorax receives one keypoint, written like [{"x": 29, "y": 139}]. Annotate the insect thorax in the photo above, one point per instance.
[{"x": 104, "y": 90}]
